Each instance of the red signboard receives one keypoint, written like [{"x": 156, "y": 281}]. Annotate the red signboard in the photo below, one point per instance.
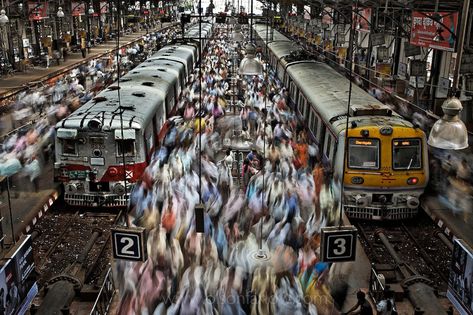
[
  {"x": 434, "y": 29},
  {"x": 78, "y": 8},
  {"x": 327, "y": 16},
  {"x": 103, "y": 7},
  {"x": 362, "y": 19},
  {"x": 37, "y": 10}
]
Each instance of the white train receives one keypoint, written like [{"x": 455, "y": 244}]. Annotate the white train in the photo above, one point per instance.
[{"x": 93, "y": 142}]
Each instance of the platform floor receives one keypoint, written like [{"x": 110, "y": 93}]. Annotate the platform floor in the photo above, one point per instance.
[
  {"x": 15, "y": 81},
  {"x": 27, "y": 206}
]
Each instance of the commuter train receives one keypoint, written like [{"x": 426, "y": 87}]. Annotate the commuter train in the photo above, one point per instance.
[
  {"x": 386, "y": 166},
  {"x": 113, "y": 129}
]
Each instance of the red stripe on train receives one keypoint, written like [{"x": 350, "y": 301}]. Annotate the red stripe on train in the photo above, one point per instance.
[{"x": 116, "y": 172}]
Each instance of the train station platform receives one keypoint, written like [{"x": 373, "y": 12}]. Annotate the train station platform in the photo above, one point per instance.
[
  {"x": 27, "y": 206},
  {"x": 11, "y": 84},
  {"x": 455, "y": 222}
]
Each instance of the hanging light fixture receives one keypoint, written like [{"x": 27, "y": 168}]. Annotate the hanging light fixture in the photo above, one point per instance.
[
  {"x": 3, "y": 17},
  {"x": 249, "y": 65},
  {"x": 91, "y": 10},
  {"x": 449, "y": 132},
  {"x": 237, "y": 35},
  {"x": 60, "y": 13}
]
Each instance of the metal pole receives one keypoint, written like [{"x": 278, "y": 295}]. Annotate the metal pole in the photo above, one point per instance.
[
  {"x": 461, "y": 39},
  {"x": 345, "y": 150},
  {"x": 10, "y": 211}
]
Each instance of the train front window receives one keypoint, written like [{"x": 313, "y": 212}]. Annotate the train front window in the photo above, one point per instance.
[
  {"x": 69, "y": 147},
  {"x": 407, "y": 154},
  {"x": 363, "y": 153},
  {"x": 126, "y": 147}
]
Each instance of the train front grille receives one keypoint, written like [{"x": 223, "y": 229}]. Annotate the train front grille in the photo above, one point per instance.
[{"x": 380, "y": 214}]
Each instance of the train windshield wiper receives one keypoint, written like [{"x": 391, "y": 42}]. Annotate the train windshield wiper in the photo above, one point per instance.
[{"x": 412, "y": 159}]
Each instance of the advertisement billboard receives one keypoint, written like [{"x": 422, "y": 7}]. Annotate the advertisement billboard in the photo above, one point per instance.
[
  {"x": 362, "y": 19},
  {"x": 460, "y": 280},
  {"x": 17, "y": 288},
  {"x": 37, "y": 11},
  {"x": 77, "y": 8},
  {"x": 435, "y": 30}
]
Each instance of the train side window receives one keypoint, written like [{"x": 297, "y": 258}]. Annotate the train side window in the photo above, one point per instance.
[
  {"x": 125, "y": 147},
  {"x": 69, "y": 147}
]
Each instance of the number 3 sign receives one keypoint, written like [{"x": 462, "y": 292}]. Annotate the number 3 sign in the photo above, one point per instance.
[
  {"x": 129, "y": 243},
  {"x": 338, "y": 244}
]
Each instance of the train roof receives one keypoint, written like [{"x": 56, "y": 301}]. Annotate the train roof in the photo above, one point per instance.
[
  {"x": 273, "y": 34},
  {"x": 282, "y": 49},
  {"x": 177, "y": 54},
  {"x": 327, "y": 90},
  {"x": 162, "y": 65},
  {"x": 158, "y": 78},
  {"x": 105, "y": 107}
]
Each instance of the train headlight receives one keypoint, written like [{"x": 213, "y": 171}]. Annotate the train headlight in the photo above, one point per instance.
[
  {"x": 412, "y": 180},
  {"x": 357, "y": 180},
  {"x": 361, "y": 201},
  {"x": 71, "y": 188},
  {"x": 113, "y": 171},
  {"x": 119, "y": 189},
  {"x": 94, "y": 124},
  {"x": 97, "y": 153},
  {"x": 412, "y": 202},
  {"x": 386, "y": 130}
]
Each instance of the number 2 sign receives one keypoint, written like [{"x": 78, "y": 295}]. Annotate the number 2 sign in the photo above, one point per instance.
[
  {"x": 338, "y": 244},
  {"x": 129, "y": 243}
]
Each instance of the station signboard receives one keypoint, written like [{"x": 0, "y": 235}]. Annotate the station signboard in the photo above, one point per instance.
[
  {"x": 129, "y": 244},
  {"x": 338, "y": 244},
  {"x": 435, "y": 30}
]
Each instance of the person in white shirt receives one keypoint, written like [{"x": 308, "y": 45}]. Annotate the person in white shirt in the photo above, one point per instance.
[{"x": 228, "y": 159}]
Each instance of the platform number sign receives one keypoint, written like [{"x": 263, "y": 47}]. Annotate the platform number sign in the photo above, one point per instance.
[
  {"x": 129, "y": 244},
  {"x": 338, "y": 244}
]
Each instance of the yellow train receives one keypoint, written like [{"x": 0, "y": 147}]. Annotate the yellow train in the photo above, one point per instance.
[{"x": 386, "y": 167}]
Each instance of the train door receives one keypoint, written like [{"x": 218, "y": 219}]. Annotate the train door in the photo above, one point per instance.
[
  {"x": 300, "y": 102},
  {"x": 170, "y": 101},
  {"x": 149, "y": 141},
  {"x": 302, "y": 108},
  {"x": 287, "y": 79},
  {"x": 293, "y": 92}
]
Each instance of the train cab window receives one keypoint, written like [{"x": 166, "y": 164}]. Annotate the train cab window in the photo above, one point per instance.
[
  {"x": 407, "y": 154},
  {"x": 363, "y": 153},
  {"x": 125, "y": 147},
  {"x": 69, "y": 146}
]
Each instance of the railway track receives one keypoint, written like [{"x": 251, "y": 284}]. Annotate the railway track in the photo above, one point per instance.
[
  {"x": 60, "y": 238},
  {"x": 416, "y": 242}
]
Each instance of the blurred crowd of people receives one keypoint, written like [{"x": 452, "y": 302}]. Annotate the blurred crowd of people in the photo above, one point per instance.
[
  {"x": 35, "y": 112},
  {"x": 282, "y": 193}
]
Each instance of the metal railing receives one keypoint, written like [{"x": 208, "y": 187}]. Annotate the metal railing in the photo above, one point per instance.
[
  {"x": 376, "y": 286},
  {"x": 104, "y": 299}
]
